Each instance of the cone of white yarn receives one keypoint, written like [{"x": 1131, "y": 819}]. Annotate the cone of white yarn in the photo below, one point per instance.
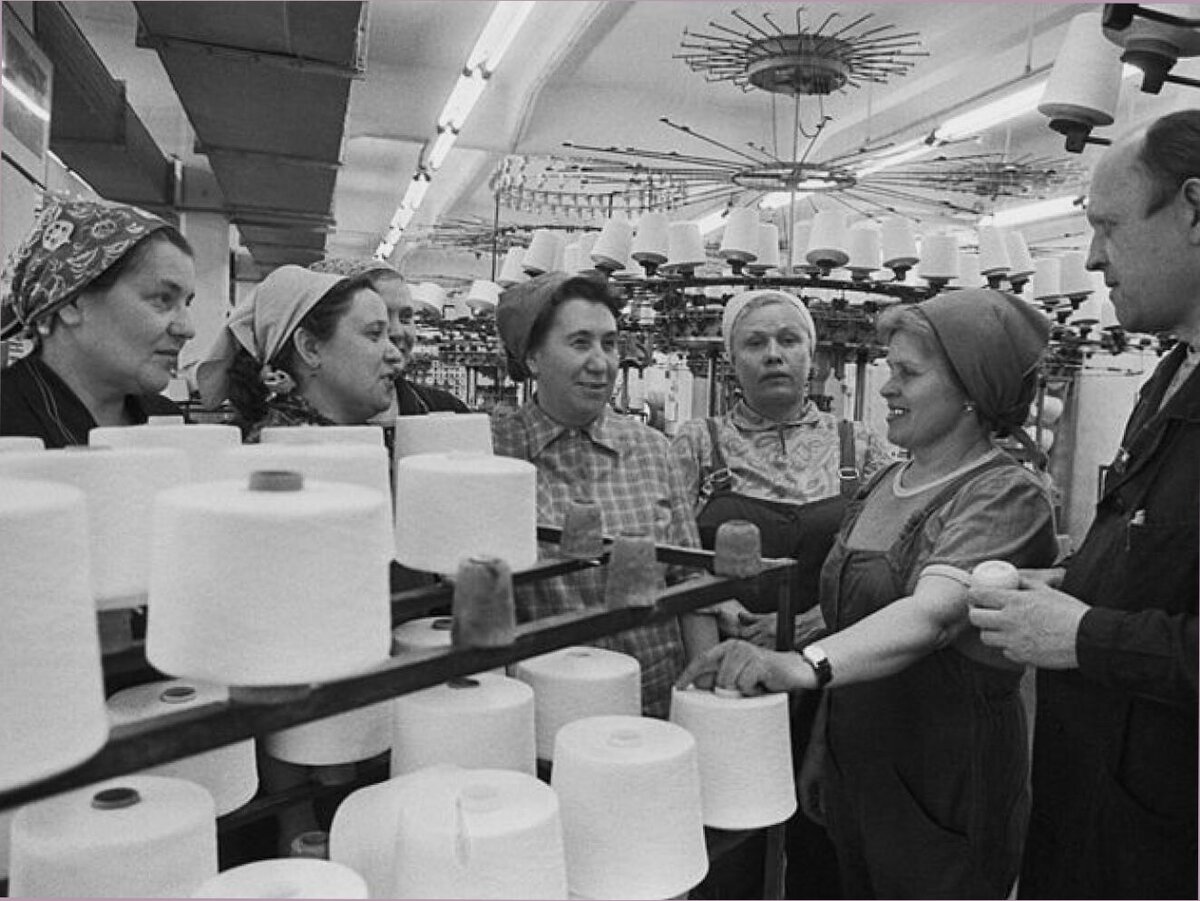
[
  {"x": 323, "y": 434},
  {"x": 544, "y": 249},
  {"x": 422, "y": 634},
  {"x": 993, "y": 251},
  {"x": 229, "y": 773},
  {"x": 865, "y": 250},
  {"x": 1074, "y": 279},
  {"x": 21, "y": 443},
  {"x": 132, "y": 837},
  {"x": 969, "y": 274},
  {"x": 651, "y": 243},
  {"x": 573, "y": 259},
  {"x": 358, "y": 734},
  {"x": 577, "y": 682},
  {"x": 201, "y": 442},
  {"x": 52, "y": 700},
  {"x": 486, "y": 506},
  {"x": 303, "y": 592},
  {"x": 685, "y": 246},
  {"x": 1085, "y": 81},
  {"x": 481, "y": 721},
  {"x": 801, "y": 232},
  {"x": 1046, "y": 284},
  {"x": 745, "y": 751},
  {"x": 768, "y": 248},
  {"x": 828, "y": 240},
  {"x": 1021, "y": 264},
  {"x": 294, "y": 877},
  {"x": 364, "y": 464},
  {"x": 629, "y": 789},
  {"x": 513, "y": 269},
  {"x": 441, "y": 432},
  {"x": 611, "y": 250},
  {"x": 939, "y": 258},
  {"x": 739, "y": 241},
  {"x": 483, "y": 295},
  {"x": 899, "y": 243},
  {"x": 434, "y": 295},
  {"x": 119, "y": 486},
  {"x": 481, "y": 833}
]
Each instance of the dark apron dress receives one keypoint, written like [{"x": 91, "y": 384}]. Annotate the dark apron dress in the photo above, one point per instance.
[
  {"x": 926, "y": 783},
  {"x": 804, "y": 532}
]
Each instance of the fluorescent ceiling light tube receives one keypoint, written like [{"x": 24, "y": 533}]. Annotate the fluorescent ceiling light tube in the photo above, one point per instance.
[
  {"x": 712, "y": 222},
  {"x": 895, "y": 156},
  {"x": 403, "y": 216},
  {"x": 506, "y": 20},
  {"x": 14, "y": 90},
  {"x": 441, "y": 148},
  {"x": 417, "y": 188},
  {"x": 1053, "y": 208},
  {"x": 992, "y": 113},
  {"x": 777, "y": 199},
  {"x": 467, "y": 91}
]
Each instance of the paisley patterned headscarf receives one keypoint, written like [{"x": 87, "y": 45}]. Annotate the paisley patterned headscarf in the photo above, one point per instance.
[{"x": 72, "y": 243}]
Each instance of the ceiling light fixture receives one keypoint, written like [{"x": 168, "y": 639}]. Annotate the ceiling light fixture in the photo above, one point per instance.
[
  {"x": 991, "y": 113},
  {"x": 1039, "y": 211},
  {"x": 493, "y": 42}
]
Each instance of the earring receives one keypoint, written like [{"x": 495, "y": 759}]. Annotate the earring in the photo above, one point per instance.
[{"x": 968, "y": 407}]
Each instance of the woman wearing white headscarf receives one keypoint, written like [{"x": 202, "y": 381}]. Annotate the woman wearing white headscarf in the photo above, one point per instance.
[{"x": 306, "y": 348}]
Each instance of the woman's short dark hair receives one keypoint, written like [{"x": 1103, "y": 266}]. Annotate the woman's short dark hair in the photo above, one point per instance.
[
  {"x": 1170, "y": 155},
  {"x": 247, "y": 393},
  {"x": 581, "y": 287}
]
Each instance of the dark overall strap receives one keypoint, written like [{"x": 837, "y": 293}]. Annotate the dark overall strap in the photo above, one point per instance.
[
  {"x": 718, "y": 478},
  {"x": 848, "y": 474}
]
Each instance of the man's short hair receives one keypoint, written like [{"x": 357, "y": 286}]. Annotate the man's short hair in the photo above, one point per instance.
[{"x": 1170, "y": 155}]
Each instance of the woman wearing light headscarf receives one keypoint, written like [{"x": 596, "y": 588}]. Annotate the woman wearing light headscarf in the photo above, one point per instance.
[
  {"x": 103, "y": 292},
  {"x": 918, "y": 766},
  {"x": 411, "y": 399},
  {"x": 305, "y": 348}
]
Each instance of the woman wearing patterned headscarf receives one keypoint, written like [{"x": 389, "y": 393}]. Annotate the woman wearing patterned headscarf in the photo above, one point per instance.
[
  {"x": 918, "y": 766},
  {"x": 103, "y": 292}
]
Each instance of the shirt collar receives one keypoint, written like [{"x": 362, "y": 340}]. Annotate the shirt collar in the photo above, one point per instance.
[
  {"x": 543, "y": 429},
  {"x": 749, "y": 420}
]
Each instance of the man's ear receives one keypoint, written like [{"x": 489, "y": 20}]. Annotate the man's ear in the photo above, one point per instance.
[
  {"x": 308, "y": 348},
  {"x": 1190, "y": 192}
]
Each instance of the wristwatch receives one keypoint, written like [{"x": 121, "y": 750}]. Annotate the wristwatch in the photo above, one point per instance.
[{"x": 817, "y": 659}]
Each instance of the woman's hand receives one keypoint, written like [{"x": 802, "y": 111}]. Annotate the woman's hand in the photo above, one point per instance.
[
  {"x": 729, "y": 617},
  {"x": 741, "y": 666},
  {"x": 756, "y": 628}
]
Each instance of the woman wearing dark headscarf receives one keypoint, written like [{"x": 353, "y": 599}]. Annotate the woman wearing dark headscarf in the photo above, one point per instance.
[
  {"x": 103, "y": 291},
  {"x": 918, "y": 766},
  {"x": 305, "y": 348},
  {"x": 411, "y": 399},
  {"x": 561, "y": 330}
]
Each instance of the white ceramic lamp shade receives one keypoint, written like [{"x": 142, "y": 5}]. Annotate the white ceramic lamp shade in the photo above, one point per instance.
[{"x": 828, "y": 241}]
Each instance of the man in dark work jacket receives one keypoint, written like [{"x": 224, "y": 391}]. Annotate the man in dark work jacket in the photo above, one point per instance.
[{"x": 1115, "y": 748}]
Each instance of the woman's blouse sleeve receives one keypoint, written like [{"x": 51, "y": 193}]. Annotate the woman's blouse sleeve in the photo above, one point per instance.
[
  {"x": 873, "y": 451},
  {"x": 690, "y": 448}
]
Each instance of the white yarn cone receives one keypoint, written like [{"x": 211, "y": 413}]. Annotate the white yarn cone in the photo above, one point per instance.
[
  {"x": 353, "y": 463},
  {"x": 1074, "y": 279},
  {"x": 613, "y": 247},
  {"x": 543, "y": 252},
  {"x": 1046, "y": 284},
  {"x": 801, "y": 232},
  {"x": 303, "y": 594},
  {"x": 229, "y": 773},
  {"x": 486, "y": 508},
  {"x": 323, "y": 434},
  {"x": 484, "y": 295},
  {"x": 21, "y": 443},
  {"x": 740, "y": 238},
  {"x": 993, "y": 251},
  {"x": 512, "y": 271},
  {"x": 485, "y": 721},
  {"x": 119, "y": 486},
  {"x": 573, "y": 259},
  {"x": 52, "y": 700},
  {"x": 295, "y": 877},
  {"x": 865, "y": 250},
  {"x": 969, "y": 274},
  {"x": 685, "y": 246},
  {"x": 422, "y": 634},
  {"x": 629, "y": 789},
  {"x": 348, "y": 737},
  {"x": 443, "y": 432},
  {"x": 650, "y": 242},
  {"x": 1085, "y": 82},
  {"x": 132, "y": 837},
  {"x": 729, "y": 732},
  {"x": 939, "y": 257},
  {"x": 434, "y": 295},
  {"x": 768, "y": 248},
  {"x": 1018, "y": 255},
  {"x": 828, "y": 240},
  {"x": 201, "y": 442},
  {"x": 899, "y": 243},
  {"x": 577, "y": 682}
]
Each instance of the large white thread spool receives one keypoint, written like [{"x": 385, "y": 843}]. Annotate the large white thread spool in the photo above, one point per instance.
[
  {"x": 482, "y": 721},
  {"x": 229, "y": 773},
  {"x": 133, "y": 837},
  {"x": 364, "y": 464},
  {"x": 629, "y": 790},
  {"x": 21, "y": 443},
  {"x": 745, "y": 752},
  {"x": 119, "y": 487},
  {"x": 52, "y": 701},
  {"x": 295, "y": 877},
  {"x": 577, "y": 682},
  {"x": 487, "y": 506},
  {"x": 441, "y": 433},
  {"x": 201, "y": 442},
  {"x": 303, "y": 595},
  {"x": 323, "y": 434}
]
